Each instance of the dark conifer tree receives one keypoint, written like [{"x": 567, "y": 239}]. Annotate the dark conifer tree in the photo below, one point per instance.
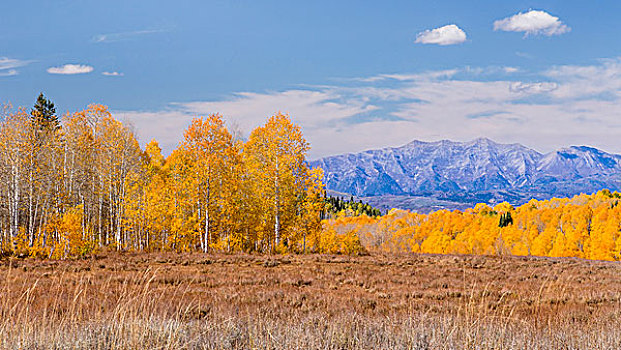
[{"x": 44, "y": 114}]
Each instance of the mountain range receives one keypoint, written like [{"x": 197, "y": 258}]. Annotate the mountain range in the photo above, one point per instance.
[{"x": 454, "y": 175}]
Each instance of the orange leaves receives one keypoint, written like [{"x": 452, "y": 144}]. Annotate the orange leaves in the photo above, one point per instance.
[
  {"x": 89, "y": 184},
  {"x": 586, "y": 226}
]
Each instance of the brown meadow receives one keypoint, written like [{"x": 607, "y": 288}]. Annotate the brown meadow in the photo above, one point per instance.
[{"x": 198, "y": 301}]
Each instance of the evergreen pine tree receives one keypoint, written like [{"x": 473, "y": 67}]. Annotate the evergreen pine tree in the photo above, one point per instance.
[
  {"x": 44, "y": 114},
  {"x": 505, "y": 220}
]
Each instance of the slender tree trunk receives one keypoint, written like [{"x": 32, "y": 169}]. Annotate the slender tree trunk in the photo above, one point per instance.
[
  {"x": 277, "y": 214},
  {"x": 206, "y": 249},
  {"x": 30, "y": 204},
  {"x": 15, "y": 205}
]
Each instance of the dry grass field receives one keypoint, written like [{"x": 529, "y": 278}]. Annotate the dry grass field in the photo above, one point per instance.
[{"x": 169, "y": 301}]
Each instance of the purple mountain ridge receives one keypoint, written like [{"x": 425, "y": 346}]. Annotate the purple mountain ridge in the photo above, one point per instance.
[{"x": 470, "y": 172}]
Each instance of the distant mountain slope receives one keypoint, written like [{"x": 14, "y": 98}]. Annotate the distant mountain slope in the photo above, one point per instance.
[{"x": 470, "y": 172}]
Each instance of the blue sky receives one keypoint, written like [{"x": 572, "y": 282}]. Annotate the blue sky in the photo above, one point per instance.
[{"x": 354, "y": 74}]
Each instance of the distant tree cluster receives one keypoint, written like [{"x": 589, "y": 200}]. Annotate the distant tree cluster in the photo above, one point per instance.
[
  {"x": 338, "y": 206},
  {"x": 585, "y": 226},
  {"x": 505, "y": 219}
]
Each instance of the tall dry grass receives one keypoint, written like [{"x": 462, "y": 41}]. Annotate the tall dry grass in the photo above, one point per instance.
[{"x": 313, "y": 303}]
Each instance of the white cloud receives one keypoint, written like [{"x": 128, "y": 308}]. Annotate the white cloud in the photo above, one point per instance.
[
  {"x": 447, "y": 35},
  {"x": 312, "y": 110},
  {"x": 112, "y": 74},
  {"x": 8, "y": 73},
  {"x": 524, "y": 55},
  {"x": 560, "y": 106},
  {"x": 593, "y": 81},
  {"x": 532, "y": 22},
  {"x": 8, "y": 65},
  {"x": 114, "y": 37},
  {"x": 69, "y": 69},
  {"x": 438, "y": 74},
  {"x": 532, "y": 88},
  {"x": 510, "y": 70},
  {"x": 411, "y": 77}
]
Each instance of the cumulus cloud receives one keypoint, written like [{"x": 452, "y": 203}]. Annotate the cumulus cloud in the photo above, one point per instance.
[
  {"x": 112, "y": 74},
  {"x": 69, "y": 69},
  {"x": 446, "y": 35},
  {"x": 533, "y": 22}
]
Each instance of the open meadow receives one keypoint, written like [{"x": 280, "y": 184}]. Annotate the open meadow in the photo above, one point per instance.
[{"x": 198, "y": 301}]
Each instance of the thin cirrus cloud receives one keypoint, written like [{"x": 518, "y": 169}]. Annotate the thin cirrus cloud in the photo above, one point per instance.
[
  {"x": 447, "y": 35},
  {"x": 8, "y": 72},
  {"x": 533, "y": 22},
  {"x": 112, "y": 74},
  {"x": 70, "y": 69},
  {"x": 8, "y": 66},
  {"x": 560, "y": 106},
  {"x": 122, "y": 36},
  {"x": 510, "y": 70}
]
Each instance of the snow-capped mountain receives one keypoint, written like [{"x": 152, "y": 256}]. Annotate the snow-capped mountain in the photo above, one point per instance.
[{"x": 479, "y": 170}]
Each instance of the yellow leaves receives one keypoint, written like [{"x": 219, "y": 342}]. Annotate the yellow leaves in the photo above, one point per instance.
[
  {"x": 586, "y": 226},
  {"x": 154, "y": 152},
  {"x": 91, "y": 184},
  {"x": 214, "y": 192},
  {"x": 274, "y": 159},
  {"x": 66, "y": 236},
  {"x": 341, "y": 236},
  {"x": 503, "y": 207}
]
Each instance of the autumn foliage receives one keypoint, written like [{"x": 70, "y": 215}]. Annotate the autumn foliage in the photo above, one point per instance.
[
  {"x": 585, "y": 226},
  {"x": 70, "y": 190},
  {"x": 84, "y": 184}
]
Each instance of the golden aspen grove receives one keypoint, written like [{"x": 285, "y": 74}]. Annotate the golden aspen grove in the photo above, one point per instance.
[
  {"x": 585, "y": 226},
  {"x": 70, "y": 190}
]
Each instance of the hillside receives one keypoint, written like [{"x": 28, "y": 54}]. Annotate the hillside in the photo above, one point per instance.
[{"x": 449, "y": 174}]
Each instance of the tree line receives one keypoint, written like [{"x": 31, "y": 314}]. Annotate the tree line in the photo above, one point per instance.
[
  {"x": 78, "y": 183},
  {"x": 335, "y": 206},
  {"x": 585, "y": 226}
]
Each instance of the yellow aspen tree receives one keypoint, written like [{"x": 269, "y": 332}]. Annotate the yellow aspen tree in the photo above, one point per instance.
[
  {"x": 119, "y": 161},
  {"x": 209, "y": 148},
  {"x": 83, "y": 183},
  {"x": 274, "y": 157},
  {"x": 183, "y": 222},
  {"x": 157, "y": 198},
  {"x": 235, "y": 215},
  {"x": 311, "y": 207},
  {"x": 13, "y": 143},
  {"x": 75, "y": 244}
]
